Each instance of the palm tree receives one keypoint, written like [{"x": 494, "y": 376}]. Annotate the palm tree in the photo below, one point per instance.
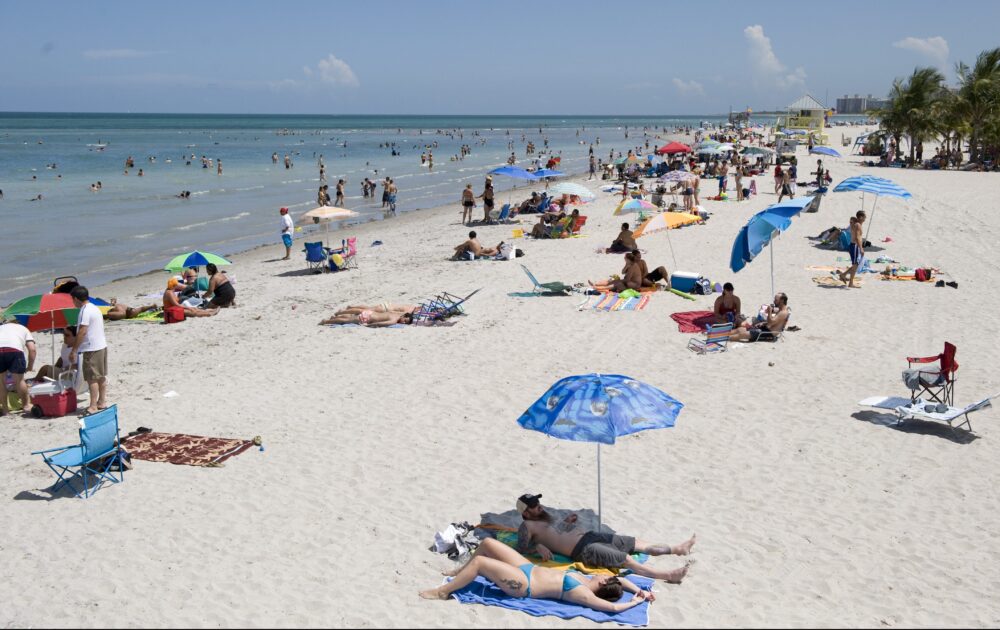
[
  {"x": 979, "y": 94},
  {"x": 923, "y": 89}
]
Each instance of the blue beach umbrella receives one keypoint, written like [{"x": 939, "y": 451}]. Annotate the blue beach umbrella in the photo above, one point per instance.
[
  {"x": 825, "y": 151},
  {"x": 513, "y": 171},
  {"x": 878, "y": 186},
  {"x": 600, "y": 408},
  {"x": 761, "y": 229},
  {"x": 548, "y": 172}
]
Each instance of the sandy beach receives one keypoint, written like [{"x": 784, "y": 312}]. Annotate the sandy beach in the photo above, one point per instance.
[{"x": 810, "y": 510}]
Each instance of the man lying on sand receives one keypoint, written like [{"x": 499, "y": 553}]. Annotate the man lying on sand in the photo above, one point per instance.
[
  {"x": 381, "y": 307},
  {"x": 369, "y": 318},
  {"x": 120, "y": 311},
  {"x": 516, "y": 576},
  {"x": 539, "y": 533}
]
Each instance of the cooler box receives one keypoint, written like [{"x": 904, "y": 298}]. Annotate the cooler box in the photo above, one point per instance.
[
  {"x": 684, "y": 280},
  {"x": 52, "y": 401}
]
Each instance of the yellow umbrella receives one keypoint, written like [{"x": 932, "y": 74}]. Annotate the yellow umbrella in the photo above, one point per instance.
[{"x": 666, "y": 221}]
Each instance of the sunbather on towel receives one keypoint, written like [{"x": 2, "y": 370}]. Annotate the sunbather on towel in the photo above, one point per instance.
[
  {"x": 516, "y": 576},
  {"x": 624, "y": 242},
  {"x": 120, "y": 311},
  {"x": 540, "y": 534},
  {"x": 370, "y": 319},
  {"x": 632, "y": 277},
  {"x": 381, "y": 307},
  {"x": 776, "y": 316},
  {"x": 472, "y": 245}
]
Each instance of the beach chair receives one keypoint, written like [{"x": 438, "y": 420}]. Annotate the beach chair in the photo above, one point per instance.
[
  {"x": 546, "y": 287},
  {"x": 348, "y": 250},
  {"x": 562, "y": 229},
  {"x": 716, "y": 339},
  {"x": 580, "y": 222},
  {"x": 315, "y": 256},
  {"x": 442, "y": 306},
  {"x": 926, "y": 410},
  {"x": 936, "y": 381},
  {"x": 93, "y": 458},
  {"x": 500, "y": 216}
]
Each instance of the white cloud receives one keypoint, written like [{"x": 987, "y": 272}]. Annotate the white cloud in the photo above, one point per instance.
[
  {"x": 934, "y": 47},
  {"x": 689, "y": 87},
  {"x": 120, "y": 53},
  {"x": 768, "y": 69},
  {"x": 335, "y": 72}
]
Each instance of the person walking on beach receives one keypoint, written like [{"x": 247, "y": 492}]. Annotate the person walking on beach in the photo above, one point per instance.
[
  {"x": 468, "y": 203},
  {"x": 92, "y": 345},
  {"x": 593, "y": 164},
  {"x": 786, "y": 186},
  {"x": 723, "y": 176},
  {"x": 385, "y": 192},
  {"x": 15, "y": 342},
  {"x": 287, "y": 228},
  {"x": 779, "y": 178},
  {"x": 488, "y": 200},
  {"x": 340, "y": 194},
  {"x": 856, "y": 249},
  {"x": 392, "y": 196}
]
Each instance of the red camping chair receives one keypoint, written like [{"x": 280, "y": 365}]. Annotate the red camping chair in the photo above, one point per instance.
[{"x": 938, "y": 382}]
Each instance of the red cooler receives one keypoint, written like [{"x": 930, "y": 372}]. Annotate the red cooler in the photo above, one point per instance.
[{"x": 54, "y": 403}]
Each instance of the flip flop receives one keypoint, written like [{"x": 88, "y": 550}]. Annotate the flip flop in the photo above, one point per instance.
[{"x": 143, "y": 430}]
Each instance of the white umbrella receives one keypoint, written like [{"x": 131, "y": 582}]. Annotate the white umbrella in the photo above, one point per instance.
[{"x": 327, "y": 214}]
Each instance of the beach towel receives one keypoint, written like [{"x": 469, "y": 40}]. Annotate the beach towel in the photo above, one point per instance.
[
  {"x": 181, "y": 449},
  {"x": 563, "y": 563},
  {"x": 482, "y": 591},
  {"x": 833, "y": 281},
  {"x": 693, "y": 321},
  {"x": 611, "y": 302},
  {"x": 155, "y": 317}
]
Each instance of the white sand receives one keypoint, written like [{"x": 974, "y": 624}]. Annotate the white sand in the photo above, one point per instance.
[{"x": 808, "y": 513}]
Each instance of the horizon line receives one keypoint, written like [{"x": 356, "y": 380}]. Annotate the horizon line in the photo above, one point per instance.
[{"x": 520, "y": 115}]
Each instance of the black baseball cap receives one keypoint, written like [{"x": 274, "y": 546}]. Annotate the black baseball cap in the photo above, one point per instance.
[{"x": 526, "y": 501}]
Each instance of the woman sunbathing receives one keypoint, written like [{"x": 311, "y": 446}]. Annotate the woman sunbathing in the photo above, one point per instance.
[
  {"x": 632, "y": 278},
  {"x": 381, "y": 307},
  {"x": 516, "y": 576},
  {"x": 369, "y": 318}
]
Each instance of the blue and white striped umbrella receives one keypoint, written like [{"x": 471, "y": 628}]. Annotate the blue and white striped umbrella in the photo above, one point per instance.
[
  {"x": 878, "y": 186},
  {"x": 825, "y": 151}
]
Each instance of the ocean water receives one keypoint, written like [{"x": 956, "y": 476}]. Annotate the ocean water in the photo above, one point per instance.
[{"x": 135, "y": 224}]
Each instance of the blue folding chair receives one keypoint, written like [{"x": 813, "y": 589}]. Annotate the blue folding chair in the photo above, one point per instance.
[
  {"x": 442, "y": 306},
  {"x": 93, "y": 458},
  {"x": 315, "y": 256}
]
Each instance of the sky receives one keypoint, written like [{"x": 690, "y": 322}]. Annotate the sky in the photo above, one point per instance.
[{"x": 471, "y": 57}]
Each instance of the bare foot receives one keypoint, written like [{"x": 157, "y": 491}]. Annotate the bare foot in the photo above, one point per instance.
[
  {"x": 434, "y": 593},
  {"x": 684, "y": 548},
  {"x": 677, "y": 575}
]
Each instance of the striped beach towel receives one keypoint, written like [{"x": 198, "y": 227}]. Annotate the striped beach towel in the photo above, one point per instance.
[{"x": 611, "y": 302}]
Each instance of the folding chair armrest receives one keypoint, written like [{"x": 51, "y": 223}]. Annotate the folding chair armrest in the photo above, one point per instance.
[
  {"x": 51, "y": 450},
  {"x": 912, "y": 360}
]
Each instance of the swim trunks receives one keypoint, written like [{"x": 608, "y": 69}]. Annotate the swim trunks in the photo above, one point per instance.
[
  {"x": 597, "y": 549},
  {"x": 856, "y": 254},
  {"x": 287, "y": 240}
]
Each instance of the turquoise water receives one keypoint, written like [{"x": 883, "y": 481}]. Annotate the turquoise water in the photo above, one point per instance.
[{"x": 135, "y": 224}]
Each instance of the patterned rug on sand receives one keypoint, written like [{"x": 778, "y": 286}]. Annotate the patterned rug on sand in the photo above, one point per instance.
[{"x": 189, "y": 450}]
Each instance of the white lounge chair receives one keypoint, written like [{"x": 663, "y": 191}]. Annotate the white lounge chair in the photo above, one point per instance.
[{"x": 907, "y": 410}]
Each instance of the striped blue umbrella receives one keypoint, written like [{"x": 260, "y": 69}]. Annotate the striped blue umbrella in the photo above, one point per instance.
[
  {"x": 600, "y": 408},
  {"x": 548, "y": 172},
  {"x": 878, "y": 186},
  {"x": 825, "y": 151}
]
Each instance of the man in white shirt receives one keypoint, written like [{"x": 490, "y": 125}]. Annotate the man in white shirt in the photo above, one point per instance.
[
  {"x": 287, "y": 228},
  {"x": 93, "y": 346},
  {"x": 15, "y": 342}
]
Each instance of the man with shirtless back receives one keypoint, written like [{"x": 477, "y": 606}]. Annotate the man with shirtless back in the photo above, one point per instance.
[
  {"x": 541, "y": 534},
  {"x": 856, "y": 248}
]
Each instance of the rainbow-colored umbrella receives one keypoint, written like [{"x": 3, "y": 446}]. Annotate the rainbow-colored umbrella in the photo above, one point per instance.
[
  {"x": 634, "y": 205},
  {"x": 48, "y": 311}
]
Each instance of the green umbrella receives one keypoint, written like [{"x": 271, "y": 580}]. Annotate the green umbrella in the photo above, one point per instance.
[{"x": 195, "y": 259}]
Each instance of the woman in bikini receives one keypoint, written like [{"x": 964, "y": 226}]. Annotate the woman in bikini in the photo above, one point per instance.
[
  {"x": 369, "y": 318},
  {"x": 381, "y": 307},
  {"x": 516, "y": 576},
  {"x": 631, "y": 278}
]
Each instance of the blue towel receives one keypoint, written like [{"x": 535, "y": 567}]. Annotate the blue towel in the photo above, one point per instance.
[
  {"x": 482, "y": 591},
  {"x": 360, "y": 326}
]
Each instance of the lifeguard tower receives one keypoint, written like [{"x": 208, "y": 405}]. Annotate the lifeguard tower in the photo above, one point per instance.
[{"x": 805, "y": 117}]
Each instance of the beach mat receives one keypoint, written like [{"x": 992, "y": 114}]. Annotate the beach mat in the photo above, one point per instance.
[
  {"x": 431, "y": 324},
  {"x": 482, "y": 591},
  {"x": 155, "y": 317},
  {"x": 693, "y": 321},
  {"x": 611, "y": 302},
  {"x": 184, "y": 450},
  {"x": 831, "y": 281}
]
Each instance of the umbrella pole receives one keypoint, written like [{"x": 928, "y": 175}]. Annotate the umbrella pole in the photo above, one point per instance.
[
  {"x": 772, "y": 266},
  {"x": 598, "y": 486},
  {"x": 52, "y": 326},
  {"x": 873, "y": 218},
  {"x": 672, "y": 257}
]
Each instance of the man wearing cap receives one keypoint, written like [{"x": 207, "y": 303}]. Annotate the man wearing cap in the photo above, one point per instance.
[
  {"x": 541, "y": 534},
  {"x": 287, "y": 227}
]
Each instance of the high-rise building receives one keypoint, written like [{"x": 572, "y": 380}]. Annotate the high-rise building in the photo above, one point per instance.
[{"x": 858, "y": 104}]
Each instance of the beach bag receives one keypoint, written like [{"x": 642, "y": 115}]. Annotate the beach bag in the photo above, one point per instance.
[
  {"x": 923, "y": 275},
  {"x": 173, "y": 314},
  {"x": 702, "y": 287}
]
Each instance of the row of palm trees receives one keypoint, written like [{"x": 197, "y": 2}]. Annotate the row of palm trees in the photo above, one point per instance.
[{"x": 922, "y": 107}]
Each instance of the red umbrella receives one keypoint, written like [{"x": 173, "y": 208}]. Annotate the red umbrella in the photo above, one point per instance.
[{"x": 674, "y": 147}]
